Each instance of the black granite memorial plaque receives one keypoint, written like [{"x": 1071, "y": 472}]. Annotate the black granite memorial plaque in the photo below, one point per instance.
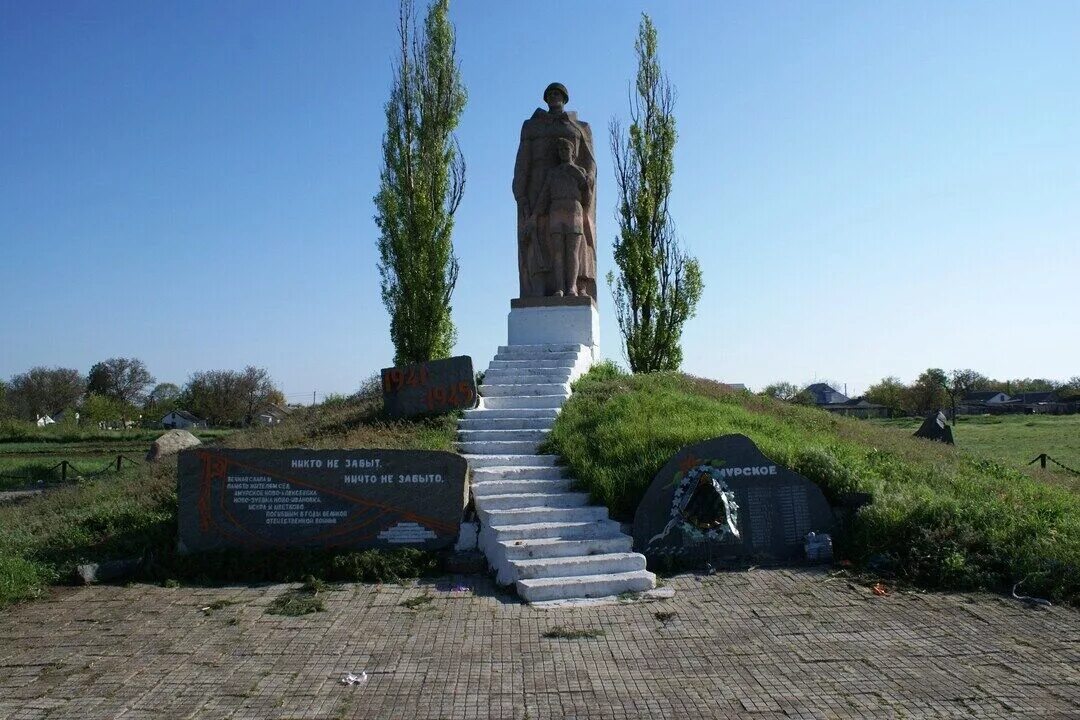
[
  {"x": 430, "y": 388},
  {"x": 301, "y": 498},
  {"x": 721, "y": 499}
]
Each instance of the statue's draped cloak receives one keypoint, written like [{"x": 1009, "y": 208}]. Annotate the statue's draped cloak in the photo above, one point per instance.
[{"x": 535, "y": 157}]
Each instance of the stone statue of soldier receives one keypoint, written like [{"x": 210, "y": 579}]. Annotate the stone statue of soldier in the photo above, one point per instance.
[{"x": 538, "y": 154}]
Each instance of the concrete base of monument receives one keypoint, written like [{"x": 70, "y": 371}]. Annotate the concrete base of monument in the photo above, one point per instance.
[{"x": 555, "y": 321}]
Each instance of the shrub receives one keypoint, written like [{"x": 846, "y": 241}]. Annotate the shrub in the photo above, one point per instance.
[{"x": 385, "y": 566}]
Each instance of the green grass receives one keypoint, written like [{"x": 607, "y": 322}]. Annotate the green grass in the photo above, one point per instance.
[
  {"x": 418, "y": 602},
  {"x": 20, "y": 471},
  {"x": 385, "y": 566},
  {"x": 294, "y": 603},
  {"x": 30, "y": 455},
  {"x": 133, "y": 514},
  {"x": 940, "y": 516},
  {"x": 17, "y": 431},
  {"x": 560, "y": 632},
  {"x": 1015, "y": 440}
]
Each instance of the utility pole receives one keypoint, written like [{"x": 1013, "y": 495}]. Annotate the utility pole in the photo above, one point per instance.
[{"x": 312, "y": 398}]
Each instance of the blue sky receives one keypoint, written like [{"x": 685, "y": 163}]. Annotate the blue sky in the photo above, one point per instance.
[{"x": 871, "y": 188}]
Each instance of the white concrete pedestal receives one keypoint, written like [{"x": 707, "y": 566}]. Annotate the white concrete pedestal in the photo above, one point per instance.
[{"x": 554, "y": 324}]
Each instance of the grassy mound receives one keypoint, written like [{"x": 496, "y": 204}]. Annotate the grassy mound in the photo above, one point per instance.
[
  {"x": 134, "y": 514},
  {"x": 940, "y": 517}
]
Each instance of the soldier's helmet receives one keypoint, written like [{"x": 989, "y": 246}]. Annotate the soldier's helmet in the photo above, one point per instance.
[{"x": 557, "y": 87}]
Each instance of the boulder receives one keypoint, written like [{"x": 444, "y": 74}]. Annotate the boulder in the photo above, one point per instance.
[{"x": 171, "y": 443}]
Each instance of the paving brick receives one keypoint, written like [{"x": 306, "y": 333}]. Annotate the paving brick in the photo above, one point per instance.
[{"x": 759, "y": 644}]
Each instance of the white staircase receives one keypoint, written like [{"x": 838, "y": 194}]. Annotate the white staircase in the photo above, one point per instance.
[{"x": 535, "y": 531}]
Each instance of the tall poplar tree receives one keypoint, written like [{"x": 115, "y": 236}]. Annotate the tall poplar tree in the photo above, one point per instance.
[
  {"x": 658, "y": 285},
  {"x": 422, "y": 181}
]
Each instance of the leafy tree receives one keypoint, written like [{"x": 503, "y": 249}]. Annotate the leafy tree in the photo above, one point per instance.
[
  {"x": 782, "y": 390},
  {"x": 927, "y": 393},
  {"x": 162, "y": 393},
  {"x": 122, "y": 379},
  {"x": 229, "y": 397},
  {"x": 659, "y": 285},
  {"x": 258, "y": 390},
  {"x": 1028, "y": 385},
  {"x": 5, "y": 409},
  {"x": 42, "y": 390},
  {"x": 967, "y": 381},
  {"x": 163, "y": 399},
  {"x": 961, "y": 382},
  {"x": 421, "y": 185},
  {"x": 97, "y": 408},
  {"x": 1070, "y": 391},
  {"x": 890, "y": 392}
]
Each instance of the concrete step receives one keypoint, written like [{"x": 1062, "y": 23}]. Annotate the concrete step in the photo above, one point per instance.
[
  {"x": 498, "y": 447},
  {"x": 568, "y": 358},
  {"x": 562, "y": 531},
  {"x": 489, "y": 461},
  {"x": 532, "y": 515},
  {"x": 604, "y": 564},
  {"x": 541, "y": 349},
  {"x": 470, "y": 424},
  {"x": 484, "y": 413},
  {"x": 514, "y": 376},
  {"x": 527, "y": 401},
  {"x": 527, "y": 369},
  {"x": 545, "y": 363},
  {"x": 472, "y": 435},
  {"x": 495, "y": 391},
  {"x": 585, "y": 586},
  {"x": 515, "y": 500},
  {"x": 548, "y": 548},
  {"x": 500, "y": 473},
  {"x": 520, "y": 486}
]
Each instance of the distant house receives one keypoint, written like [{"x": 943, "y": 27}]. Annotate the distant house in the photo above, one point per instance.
[
  {"x": 270, "y": 414},
  {"x": 858, "y": 407},
  {"x": 735, "y": 386},
  {"x": 823, "y": 394},
  {"x": 1037, "y": 398},
  {"x": 183, "y": 420},
  {"x": 827, "y": 398},
  {"x": 986, "y": 397},
  {"x": 1041, "y": 403},
  {"x": 44, "y": 420},
  {"x": 982, "y": 402}
]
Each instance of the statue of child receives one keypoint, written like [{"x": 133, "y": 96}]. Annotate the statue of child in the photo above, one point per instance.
[{"x": 563, "y": 197}]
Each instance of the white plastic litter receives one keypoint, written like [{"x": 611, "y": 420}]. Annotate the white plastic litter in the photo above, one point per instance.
[
  {"x": 353, "y": 679},
  {"x": 1028, "y": 599}
]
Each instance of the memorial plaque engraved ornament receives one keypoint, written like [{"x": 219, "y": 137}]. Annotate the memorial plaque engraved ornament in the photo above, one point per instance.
[
  {"x": 430, "y": 388},
  {"x": 297, "y": 498},
  {"x": 721, "y": 499}
]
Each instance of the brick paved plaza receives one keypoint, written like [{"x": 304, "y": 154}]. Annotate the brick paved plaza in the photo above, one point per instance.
[{"x": 764, "y": 643}]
